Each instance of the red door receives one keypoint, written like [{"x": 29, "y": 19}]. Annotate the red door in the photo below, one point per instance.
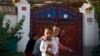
[
  {"x": 70, "y": 23},
  {"x": 71, "y": 36}
]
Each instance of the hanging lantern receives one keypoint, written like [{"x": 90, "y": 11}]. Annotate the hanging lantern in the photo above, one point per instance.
[{"x": 89, "y": 7}]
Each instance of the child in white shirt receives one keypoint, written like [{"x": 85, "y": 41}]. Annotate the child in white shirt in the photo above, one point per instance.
[{"x": 48, "y": 46}]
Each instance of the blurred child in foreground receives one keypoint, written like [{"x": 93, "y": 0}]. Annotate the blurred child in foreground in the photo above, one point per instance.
[{"x": 30, "y": 45}]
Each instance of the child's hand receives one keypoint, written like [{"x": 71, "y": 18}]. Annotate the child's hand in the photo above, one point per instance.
[
  {"x": 49, "y": 53},
  {"x": 70, "y": 50}
]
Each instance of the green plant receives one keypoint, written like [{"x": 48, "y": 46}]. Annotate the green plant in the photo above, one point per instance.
[
  {"x": 96, "y": 50},
  {"x": 19, "y": 54},
  {"x": 9, "y": 35}
]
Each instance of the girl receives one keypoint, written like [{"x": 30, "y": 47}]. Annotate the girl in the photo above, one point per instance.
[{"x": 56, "y": 31}]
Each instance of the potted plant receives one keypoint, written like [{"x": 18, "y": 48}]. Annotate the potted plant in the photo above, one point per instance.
[{"x": 9, "y": 36}]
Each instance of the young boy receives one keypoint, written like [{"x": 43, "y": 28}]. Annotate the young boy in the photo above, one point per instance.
[{"x": 48, "y": 45}]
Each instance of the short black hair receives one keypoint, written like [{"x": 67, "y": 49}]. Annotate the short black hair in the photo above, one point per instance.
[
  {"x": 56, "y": 25},
  {"x": 34, "y": 35},
  {"x": 49, "y": 28}
]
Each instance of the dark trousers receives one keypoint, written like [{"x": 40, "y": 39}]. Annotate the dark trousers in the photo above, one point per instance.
[
  {"x": 36, "y": 55},
  {"x": 29, "y": 54}
]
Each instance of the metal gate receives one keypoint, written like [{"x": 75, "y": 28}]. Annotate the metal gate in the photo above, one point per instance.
[{"x": 70, "y": 23}]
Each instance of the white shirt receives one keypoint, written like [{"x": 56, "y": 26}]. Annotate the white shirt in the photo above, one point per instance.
[
  {"x": 50, "y": 46},
  {"x": 57, "y": 41}
]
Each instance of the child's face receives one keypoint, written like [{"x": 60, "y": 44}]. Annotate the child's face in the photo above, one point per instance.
[
  {"x": 56, "y": 31},
  {"x": 48, "y": 34},
  {"x": 35, "y": 37}
]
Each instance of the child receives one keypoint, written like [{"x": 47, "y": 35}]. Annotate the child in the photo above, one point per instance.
[
  {"x": 36, "y": 48},
  {"x": 48, "y": 46},
  {"x": 30, "y": 45},
  {"x": 56, "y": 31}
]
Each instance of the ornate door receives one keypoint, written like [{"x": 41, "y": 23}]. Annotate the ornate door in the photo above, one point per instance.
[{"x": 70, "y": 23}]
